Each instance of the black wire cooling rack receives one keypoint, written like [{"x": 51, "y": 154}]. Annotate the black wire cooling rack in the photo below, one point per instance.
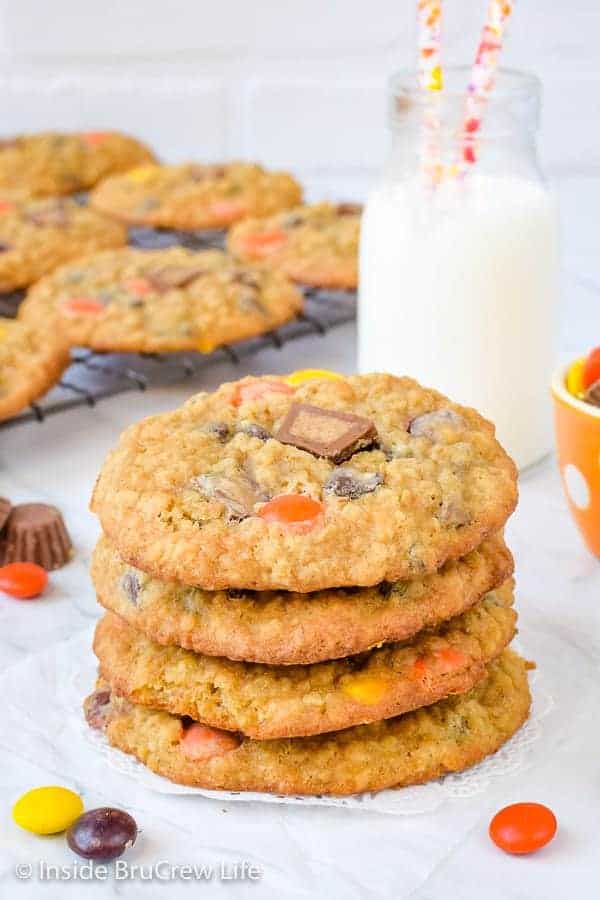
[{"x": 95, "y": 376}]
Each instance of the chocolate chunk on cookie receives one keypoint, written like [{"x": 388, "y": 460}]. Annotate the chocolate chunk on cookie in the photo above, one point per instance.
[{"x": 326, "y": 432}]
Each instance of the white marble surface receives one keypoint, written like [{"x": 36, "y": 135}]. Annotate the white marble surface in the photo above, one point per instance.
[{"x": 315, "y": 851}]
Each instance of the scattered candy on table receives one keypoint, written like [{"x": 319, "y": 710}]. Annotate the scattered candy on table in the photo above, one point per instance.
[
  {"x": 523, "y": 828},
  {"x": 23, "y": 580},
  {"x": 102, "y": 834},
  {"x": 47, "y": 810}
]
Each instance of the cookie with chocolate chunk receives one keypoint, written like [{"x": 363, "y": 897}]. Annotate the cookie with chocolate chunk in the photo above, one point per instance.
[
  {"x": 192, "y": 496},
  {"x": 194, "y": 196},
  {"x": 420, "y": 746},
  {"x": 267, "y": 702},
  {"x": 54, "y": 163},
  {"x": 315, "y": 245},
  {"x": 32, "y": 359},
  {"x": 284, "y": 628},
  {"x": 161, "y": 300},
  {"x": 38, "y": 235}
]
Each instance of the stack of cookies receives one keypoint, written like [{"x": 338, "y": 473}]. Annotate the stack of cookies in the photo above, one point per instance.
[{"x": 307, "y": 588}]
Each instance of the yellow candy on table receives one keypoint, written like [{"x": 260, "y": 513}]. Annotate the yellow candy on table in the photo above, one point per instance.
[
  {"x": 366, "y": 688},
  {"x": 302, "y": 375},
  {"x": 47, "y": 810},
  {"x": 575, "y": 385}
]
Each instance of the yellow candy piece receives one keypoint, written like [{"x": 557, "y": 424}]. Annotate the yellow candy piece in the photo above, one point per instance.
[
  {"x": 47, "y": 810},
  {"x": 575, "y": 384},
  {"x": 302, "y": 375},
  {"x": 141, "y": 174},
  {"x": 205, "y": 347},
  {"x": 435, "y": 79},
  {"x": 366, "y": 688},
  {"x": 3, "y": 332}
]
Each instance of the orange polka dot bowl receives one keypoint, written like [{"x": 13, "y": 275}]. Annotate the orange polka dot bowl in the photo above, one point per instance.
[{"x": 577, "y": 425}]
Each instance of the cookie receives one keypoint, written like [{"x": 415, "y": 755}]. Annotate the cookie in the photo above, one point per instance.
[
  {"x": 419, "y": 746},
  {"x": 281, "y": 628},
  {"x": 39, "y": 235},
  {"x": 31, "y": 362},
  {"x": 192, "y": 196},
  {"x": 54, "y": 163},
  {"x": 266, "y": 702},
  {"x": 161, "y": 300},
  {"x": 333, "y": 482},
  {"x": 315, "y": 245}
]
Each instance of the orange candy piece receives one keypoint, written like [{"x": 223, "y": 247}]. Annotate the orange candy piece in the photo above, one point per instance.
[
  {"x": 94, "y": 137},
  {"x": 450, "y": 659},
  {"x": 23, "y": 580},
  {"x": 252, "y": 390},
  {"x": 200, "y": 743},
  {"x": 523, "y": 828},
  {"x": 139, "y": 286},
  {"x": 228, "y": 211},
  {"x": 295, "y": 511},
  {"x": 591, "y": 369},
  {"x": 6, "y": 206},
  {"x": 76, "y": 306},
  {"x": 263, "y": 243}
]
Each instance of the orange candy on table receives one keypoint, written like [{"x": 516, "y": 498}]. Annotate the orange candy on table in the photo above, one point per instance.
[
  {"x": 76, "y": 306},
  {"x": 255, "y": 389},
  {"x": 200, "y": 743},
  {"x": 23, "y": 580},
  {"x": 295, "y": 511},
  {"x": 262, "y": 243},
  {"x": 523, "y": 828}
]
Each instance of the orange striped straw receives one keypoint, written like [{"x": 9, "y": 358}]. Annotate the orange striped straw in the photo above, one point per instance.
[{"x": 429, "y": 27}]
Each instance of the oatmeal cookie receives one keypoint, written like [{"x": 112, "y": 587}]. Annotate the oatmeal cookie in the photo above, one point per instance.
[
  {"x": 332, "y": 482},
  {"x": 419, "y": 746},
  {"x": 54, "y": 163},
  {"x": 161, "y": 300},
  {"x": 39, "y": 235},
  {"x": 315, "y": 245},
  {"x": 291, "y": 701},
  {"x": 31, "y": 362},
  {"x": 280, "y": 628},
  {"x": 194, "y": 196}
]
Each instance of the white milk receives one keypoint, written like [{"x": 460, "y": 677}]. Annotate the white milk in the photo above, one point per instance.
[{"x": 460, "y": 291}]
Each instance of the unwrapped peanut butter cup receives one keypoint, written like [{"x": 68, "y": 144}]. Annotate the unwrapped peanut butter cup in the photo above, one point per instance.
[
  {"x": 5, "y": 508},
  {"x": 36, "y": 532}
]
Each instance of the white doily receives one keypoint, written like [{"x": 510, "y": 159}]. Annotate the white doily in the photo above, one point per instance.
[{"x": 76, "y": 679}]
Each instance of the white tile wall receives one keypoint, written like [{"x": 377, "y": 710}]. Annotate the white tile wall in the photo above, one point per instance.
[{"x": 293, "y": 84}]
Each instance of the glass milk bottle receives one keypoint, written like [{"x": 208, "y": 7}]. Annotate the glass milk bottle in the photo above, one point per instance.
[{"x": 459, "y": 279}]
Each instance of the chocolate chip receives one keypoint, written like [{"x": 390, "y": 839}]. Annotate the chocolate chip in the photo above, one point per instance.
[
  {"x": 238, "y": 494},
  {"x": 241, "y": 276},
  {"x": 326, "y": 432},
  {"x": 453, "y": 513},
  {"x": 130, "y": 585},
  {"x": 432, "y": 424},
  {"x": 349, "y": 209},
  {"x": 96, "y": 708},
  {"x": 169, "y": 277},
  {"x": 4, "y": 248},
  {"x": 235, "y": 594},
  {"x": 254, "y": 430},
  {"x": 592, "y": 395},
  {"x": 385, "y": 588},
  {"x": 220, "y": 430},
  {"x": 346, "y": 482}
]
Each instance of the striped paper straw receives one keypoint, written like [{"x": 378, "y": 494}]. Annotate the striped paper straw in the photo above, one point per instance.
[
  {"x": 483, "y": 75},
  {"x": 429, "y": 22}
]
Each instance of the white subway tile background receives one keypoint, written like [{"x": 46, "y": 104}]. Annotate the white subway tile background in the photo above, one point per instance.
[{"x": 299, "y": 85}]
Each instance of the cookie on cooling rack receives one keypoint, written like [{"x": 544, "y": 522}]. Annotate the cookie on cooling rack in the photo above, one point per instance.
[
  {"x": 193, "y": 196},
  {"x": 32, "y": 360},
  {"x": 38, "y": 235},
  {"x": 449, "y": 736},
  {"x": 268, "y": 483},
  {"x": 53, "y": 163},
  {"x": 161, "y": 300},
  {"x": 316, "y": 245}
]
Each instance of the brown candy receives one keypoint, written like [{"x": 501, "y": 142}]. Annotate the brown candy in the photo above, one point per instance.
[
  {"x": 5, "y": 510},
  {"x": 170, "y": 277},
  {"x": 592, "y": 395},
  {"x": 36, "y": 533},
  {"x": 326, "y": 432}
]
